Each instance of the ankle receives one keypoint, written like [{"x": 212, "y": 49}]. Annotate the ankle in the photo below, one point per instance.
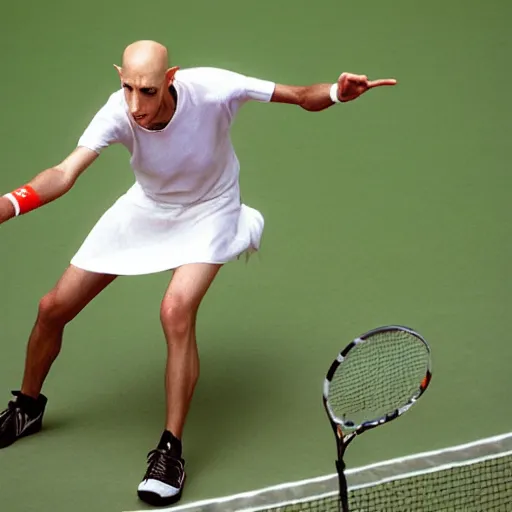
[
  {"x": 28, "y": 393},
  {"x": 32, "y": 406},
  {"x": 170, "y": 442}
]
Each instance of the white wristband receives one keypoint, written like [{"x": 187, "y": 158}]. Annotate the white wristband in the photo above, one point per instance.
[
  {"x": 334, "y": 93},
  {"x": 14, "y": 203}
]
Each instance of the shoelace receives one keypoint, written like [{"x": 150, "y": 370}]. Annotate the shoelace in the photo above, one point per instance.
[
  {"x": 165, "y": 467},
  {"x": 7, "y": 414},
  {"x": 11, "y": 407}
]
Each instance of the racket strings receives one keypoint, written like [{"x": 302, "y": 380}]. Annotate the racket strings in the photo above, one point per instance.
[{"x": 378, "y": 376}]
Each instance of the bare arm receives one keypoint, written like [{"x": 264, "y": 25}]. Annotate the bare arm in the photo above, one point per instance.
[
  {"x": 55, "y": 181},
  {"x": 317, "y": 97}
]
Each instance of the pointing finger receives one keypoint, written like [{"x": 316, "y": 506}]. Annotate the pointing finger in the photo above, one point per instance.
[{"x": 384, "y": 81}]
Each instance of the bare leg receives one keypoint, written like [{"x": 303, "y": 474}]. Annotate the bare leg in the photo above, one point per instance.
[
  {"x": 75, "y": 289},
  {"x": 178, "y": 314}
]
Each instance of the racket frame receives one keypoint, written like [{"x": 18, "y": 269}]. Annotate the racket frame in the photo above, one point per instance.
[{"x": 344, "y": 433}]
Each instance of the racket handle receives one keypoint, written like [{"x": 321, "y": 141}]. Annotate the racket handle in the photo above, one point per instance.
[{"x": 343, "y": 488}]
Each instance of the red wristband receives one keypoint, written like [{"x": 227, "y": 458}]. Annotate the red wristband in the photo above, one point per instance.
[{"x": 24, "y": 199}]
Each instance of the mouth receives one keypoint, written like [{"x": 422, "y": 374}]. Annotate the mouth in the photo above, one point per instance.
[{"x": 139, "y": 117}]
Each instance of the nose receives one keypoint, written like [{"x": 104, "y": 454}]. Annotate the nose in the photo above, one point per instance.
[{"x": 134, "y": 105}]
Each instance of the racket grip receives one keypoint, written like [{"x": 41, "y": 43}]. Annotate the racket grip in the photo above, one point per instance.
[{"x": 343, "y": 488}]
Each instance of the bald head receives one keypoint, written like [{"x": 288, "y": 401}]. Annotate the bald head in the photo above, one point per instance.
[
  {"x": 146, "y": 77},
  {"x": 147, "y": 59}
]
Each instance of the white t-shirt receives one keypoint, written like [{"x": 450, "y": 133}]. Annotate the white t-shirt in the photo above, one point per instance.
[{"x": 192, "y": 159}]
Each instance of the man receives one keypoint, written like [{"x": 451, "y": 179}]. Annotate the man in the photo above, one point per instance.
[{"x": 182, "y": 213}]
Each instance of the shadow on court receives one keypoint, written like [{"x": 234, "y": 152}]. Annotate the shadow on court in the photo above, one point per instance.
[
  {"x": 103, "y": 427},
  {"x": 237, "y": 375}
]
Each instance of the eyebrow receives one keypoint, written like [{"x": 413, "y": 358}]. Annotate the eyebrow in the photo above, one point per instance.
[{"x": 146, "y": 88}]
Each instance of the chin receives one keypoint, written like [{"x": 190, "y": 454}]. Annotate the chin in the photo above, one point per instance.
[{"x": 147, "y": 123}]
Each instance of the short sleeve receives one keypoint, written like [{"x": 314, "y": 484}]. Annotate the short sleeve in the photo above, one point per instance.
[
  {"x": 105, "y": 127},
  {"x": 228, "y": 86},
  {"x": 256, "y": 89},
  {"x": 236, "y": 89}
]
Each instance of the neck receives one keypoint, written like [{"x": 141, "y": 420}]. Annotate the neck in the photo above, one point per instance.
[{"x": 167, "y": 109}]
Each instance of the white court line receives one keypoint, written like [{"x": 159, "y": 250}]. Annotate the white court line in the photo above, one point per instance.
[{"x": 468, "y": 453}]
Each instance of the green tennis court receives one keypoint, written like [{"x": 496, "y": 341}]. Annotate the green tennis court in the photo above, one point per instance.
[{"x": 392, "y": 209}]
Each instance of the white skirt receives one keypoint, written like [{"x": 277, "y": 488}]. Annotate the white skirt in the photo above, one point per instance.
[{"x": 140, "y": 236}]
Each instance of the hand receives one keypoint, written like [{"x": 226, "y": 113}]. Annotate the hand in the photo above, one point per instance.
[
  {"x": 351, "y": 86},
  {"x": 6, "y": 210}
]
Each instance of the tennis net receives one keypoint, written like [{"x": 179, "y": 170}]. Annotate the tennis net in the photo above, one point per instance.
[{"x": 474, "y": 477}]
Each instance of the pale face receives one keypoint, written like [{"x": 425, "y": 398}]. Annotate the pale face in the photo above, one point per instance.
[
  {"x": 145, "y": 97},
  {"x": 146, "y": 79}
]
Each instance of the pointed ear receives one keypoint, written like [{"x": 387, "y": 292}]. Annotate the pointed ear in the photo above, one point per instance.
[
  {"x": 119, "y": 71},
  {"x": 169, "y": 75}
]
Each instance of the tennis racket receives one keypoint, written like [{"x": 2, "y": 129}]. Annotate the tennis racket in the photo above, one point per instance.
[{"x": 375, "y": 379}]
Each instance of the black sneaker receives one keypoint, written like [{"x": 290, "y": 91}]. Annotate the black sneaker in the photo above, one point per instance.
[
  {"x": 163, "y": 482},
  {"x": 23, "y": 417}
]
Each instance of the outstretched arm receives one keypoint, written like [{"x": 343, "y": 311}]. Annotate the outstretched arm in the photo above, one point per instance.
[
  {"x": 47, "y": 185},
  {"x": 321, "y": 96}
]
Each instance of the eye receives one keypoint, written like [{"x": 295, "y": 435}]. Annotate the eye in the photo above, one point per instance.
[
  {"x": 149, "y": 91},
  {"x": 129, "y": 87}
]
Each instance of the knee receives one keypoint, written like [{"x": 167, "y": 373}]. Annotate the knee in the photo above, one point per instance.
[
  {"x": 52, "y": 310},
  {"x": 177, "y": 316}
]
